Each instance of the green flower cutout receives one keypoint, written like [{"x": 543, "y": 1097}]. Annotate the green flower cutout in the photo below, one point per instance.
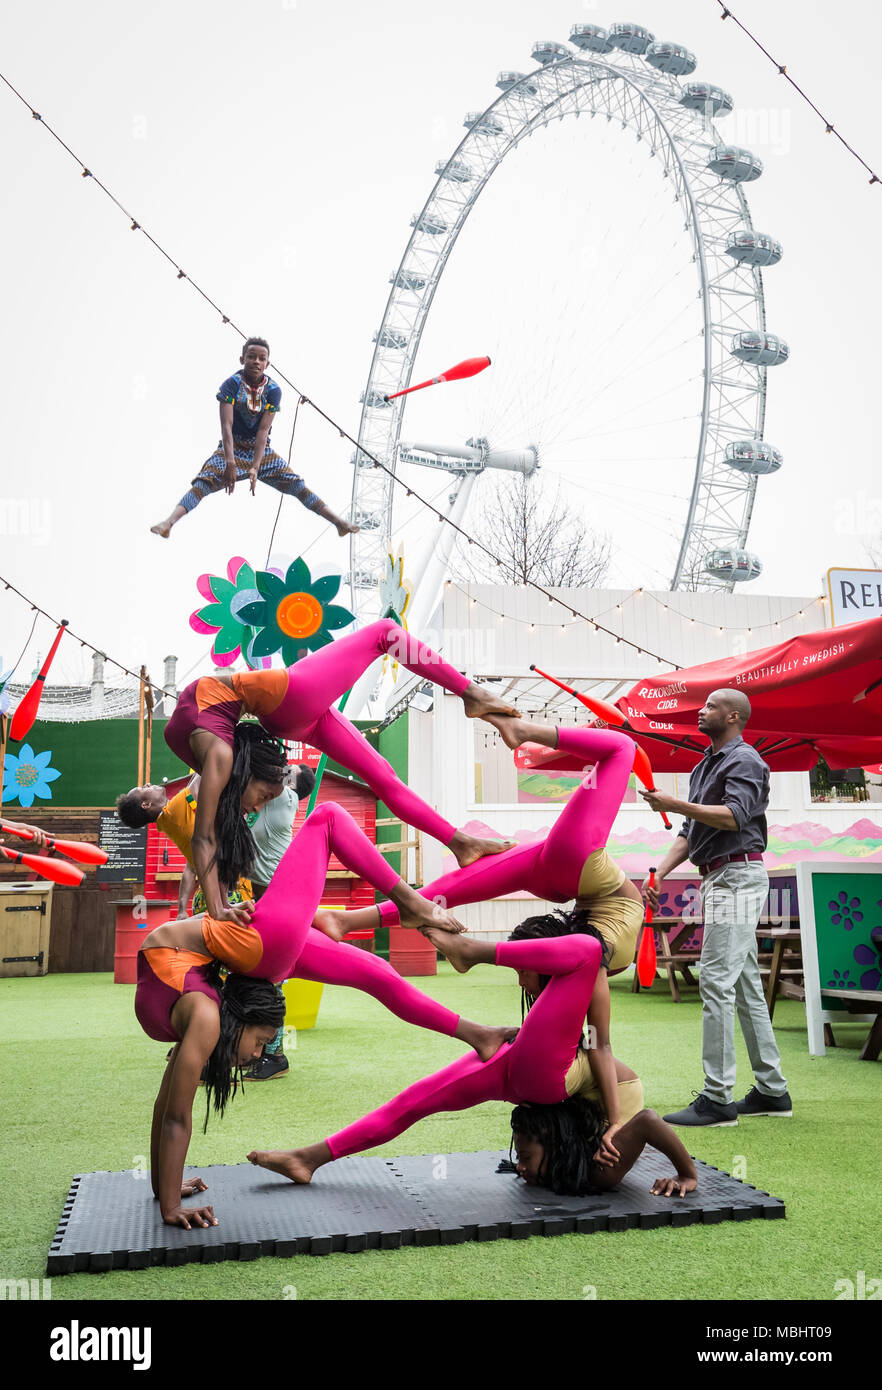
[
  {"x": 294, "y": 615},
  {"x": 395, "y": 596},
  {"x": 221, "y": 615}
]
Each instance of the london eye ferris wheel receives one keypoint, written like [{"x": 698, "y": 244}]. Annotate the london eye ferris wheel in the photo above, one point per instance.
[{"x": 647, "y": 245}]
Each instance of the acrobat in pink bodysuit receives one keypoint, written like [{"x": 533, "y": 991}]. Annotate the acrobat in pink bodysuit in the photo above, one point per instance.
[
  {"x": 531, "y": 1069},
  {"x": 552, "y": 868},
  {"x": 280, "y": 943},
  {"x": 297, "y": 703}
]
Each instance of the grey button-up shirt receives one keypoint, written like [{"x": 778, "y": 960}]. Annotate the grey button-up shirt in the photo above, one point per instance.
[{"x": 738, "y": 778}]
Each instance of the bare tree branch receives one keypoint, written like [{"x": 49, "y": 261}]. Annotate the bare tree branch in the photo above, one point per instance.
[{"x": 539, "y": 539}]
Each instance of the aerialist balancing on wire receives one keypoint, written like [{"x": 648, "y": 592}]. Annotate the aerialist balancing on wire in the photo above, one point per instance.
[
  {"x": 570, "y": 862},
  {"x": 297, "y": 703},
  {"x": 249, "y": 400}
]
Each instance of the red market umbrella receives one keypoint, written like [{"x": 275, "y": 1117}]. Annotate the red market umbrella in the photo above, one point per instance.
[{"x": 815, "y": 695}]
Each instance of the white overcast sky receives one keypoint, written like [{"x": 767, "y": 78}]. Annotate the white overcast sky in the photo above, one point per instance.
[{"x": 278, "y": 150}]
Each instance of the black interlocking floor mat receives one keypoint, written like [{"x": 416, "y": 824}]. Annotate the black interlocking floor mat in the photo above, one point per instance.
[{"x": 111, "y": 1221}]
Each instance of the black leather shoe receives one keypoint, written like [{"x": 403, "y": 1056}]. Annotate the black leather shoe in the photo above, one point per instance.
[
  {"x": 703, "y": 1111},
  {"x": 756, "y": 1103}
]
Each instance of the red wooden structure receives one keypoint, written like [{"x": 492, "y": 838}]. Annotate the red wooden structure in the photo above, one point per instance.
[{"x": 343, "y": 889}]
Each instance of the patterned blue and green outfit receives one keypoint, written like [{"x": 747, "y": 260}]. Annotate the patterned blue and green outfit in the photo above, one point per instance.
[{"x": 249, "y": 403}]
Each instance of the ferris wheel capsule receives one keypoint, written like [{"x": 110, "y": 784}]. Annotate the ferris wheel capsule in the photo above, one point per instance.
[
  {"x": 388, "y": 338},
  {"x": 506, "y": 80},
  {"x": 456, "y": 170},
  {"x": 430, "y": 223},
  {"x": 753, "y": 456},
  {"x": 672, "y": 58},
  {"x": 407, "y": 280},
  {"x": 369, "y": 521},
  {"x": 547, "y": 51},
  {"x": 731, "y": 563},
  {"x": 748, "y": 247},
  {"x": 483, "y": 123},
  {"x": 375, "y": 400},
  {"x": 704, "y": 96},
  {"x": 759, "y": 349},
  {"x": 592, "y": 38},
  {"x": 735, "y": 164},
  {"x": 633, "y": 38}
]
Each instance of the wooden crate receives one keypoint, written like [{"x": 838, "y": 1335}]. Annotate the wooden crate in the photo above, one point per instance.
[{"x": 25, "y": 919}]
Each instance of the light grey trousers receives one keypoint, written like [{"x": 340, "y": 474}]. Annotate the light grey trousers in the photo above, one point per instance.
[{"x": 732, "y": 900}]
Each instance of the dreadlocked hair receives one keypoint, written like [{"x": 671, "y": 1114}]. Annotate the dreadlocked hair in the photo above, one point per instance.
[
  {"x": 255, "y": 754},
  {"x": 570, "y": 1133},
  {"x": 552, "y": 924},
  {"x": 244, "y": 1002}
]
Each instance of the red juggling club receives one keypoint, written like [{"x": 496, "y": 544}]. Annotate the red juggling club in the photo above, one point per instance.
[
  {"x": 646, "y": 956},
  {"x": 82, "y": 852},
  {"x": 57, "y": 869},
  {"x": 469, "y": 367},
  {"x": 643, "y": 769},
  {"x": 612, "y": 715},
  {"x": 27, "y": 710}
]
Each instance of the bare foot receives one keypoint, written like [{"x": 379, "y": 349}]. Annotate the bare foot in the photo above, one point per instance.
[
  {"x": 422, "y": 913},
  {"x": 511, "y": 731},
  {"x": 467, "y": 849},
  {"x": 331, "y": 923},
  {"x": 478, "y": 703},
  {"x": 162, "y": 528},
  {"x": 347, "y": 528},
  {"x": 290, "y": 1163},
  {"x": 488, "y": 1041},
  {"x": 461, "y": 951}
]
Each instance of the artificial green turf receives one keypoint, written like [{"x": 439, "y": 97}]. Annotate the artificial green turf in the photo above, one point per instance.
[{"x": 79, "y": 1078}]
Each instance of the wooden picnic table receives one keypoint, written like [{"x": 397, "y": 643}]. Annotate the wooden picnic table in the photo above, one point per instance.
[
  {"x": 671, "y": 957},
  {"x": 672, "y": 954}
]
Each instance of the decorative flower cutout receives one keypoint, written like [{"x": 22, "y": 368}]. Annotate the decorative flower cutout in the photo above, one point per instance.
[
  {"x": 28, "y": 776},
  {"x": 293, "y": 615},
  {"x": 221, "y": 615},
  {"x": 865, "y": 955},
  {"x": 395, "y": 592},
  {"x": 395, "y": 596},
  {"x": 845, "y": 913},
  {"x": 841, "y": 981}
]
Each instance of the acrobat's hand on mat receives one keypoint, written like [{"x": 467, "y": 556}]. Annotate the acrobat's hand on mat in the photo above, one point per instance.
[
  {"x": 188, "y": 1217},
  {"x": 192, "y": 1186},
  {"x": 669, "y": 1187}
]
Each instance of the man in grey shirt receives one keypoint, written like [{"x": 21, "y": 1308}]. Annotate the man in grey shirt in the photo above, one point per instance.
[
  {"x": 271, "y": 831},
  {"x": 724, "y": 835}
]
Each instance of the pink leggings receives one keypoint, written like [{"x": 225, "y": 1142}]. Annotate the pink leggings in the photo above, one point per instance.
[
  {"x": 321, "y": 678},
  {"x": 292, "y": 946},
  {"x": 550, "y": 868},
  {"x": 533, "y": 1068}
]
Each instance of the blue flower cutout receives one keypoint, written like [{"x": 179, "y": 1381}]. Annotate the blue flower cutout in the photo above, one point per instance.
[{"x": 28, "y": 776}]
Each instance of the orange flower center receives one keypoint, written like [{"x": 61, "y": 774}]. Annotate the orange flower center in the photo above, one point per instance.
[{"x": 299, "y": 615}]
